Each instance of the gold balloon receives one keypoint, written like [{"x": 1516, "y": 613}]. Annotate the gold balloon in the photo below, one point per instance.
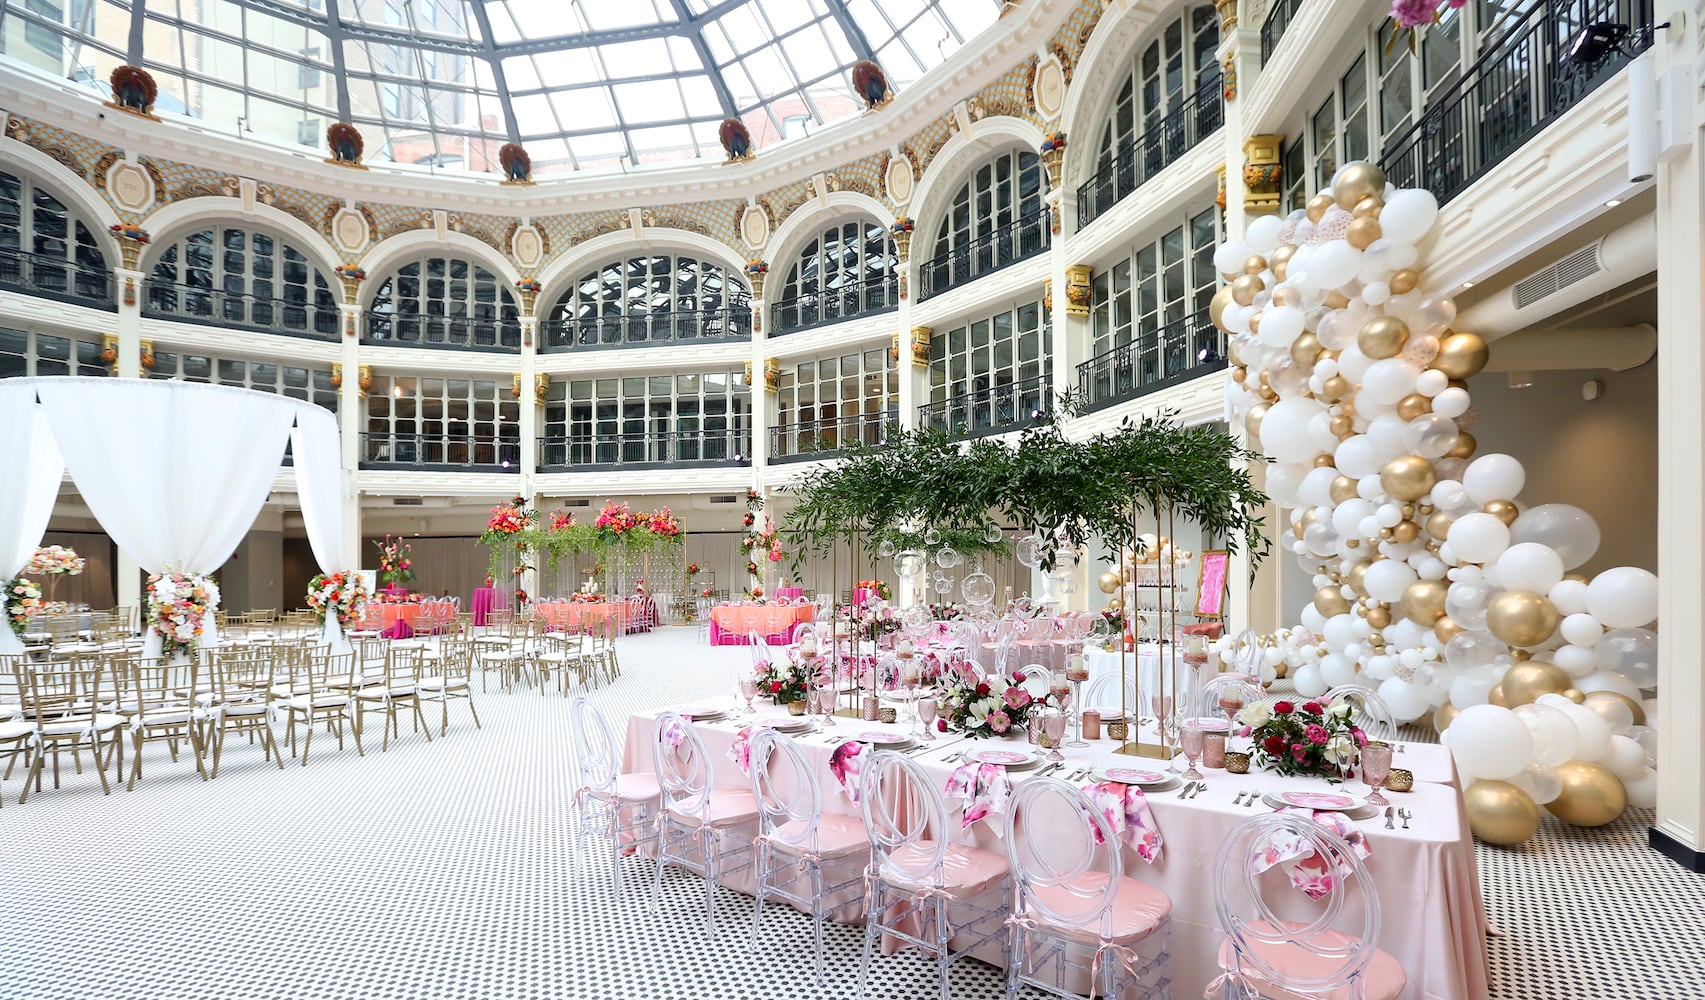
[
  {"x": 1217, "y": 306},
  {"x": 1343, "y": 488},
  {"x": 1638, "y": 709},
  {"x": 1496, "y": 696},
  {"x": 1503, "y": 510},
  {"x": 1323, "y": 461},
  {"x": 1445, "y": 715},
  {"x": 1254, "y": 265},
  {"x": 1357, "y": 575},
  {"x": 1281, "y": 270},
  {"x": 1124, "y": 574},
  {"x": 1247, "y": 286},
  {"x": 1336, "y": 300},
  {"x": 1329, "y": 601},
  {"x": 1524, "y": 682},
  {"x": 1575, "y": 696},
  {"x": 1116, "y": 602},
  {"x": 1408, "y": 478},
  {"x": 1281, "y": 255},
  {"x": 1356, "y": 182},
  {"x": 1438, "y": 524},
  {"x": 1335, "y": 388},
  {"x": 1363, "y": 232},
  {"x": 1252, "y": 419},
  {"x": 1305, "y": 349},
  {"x": 1464, "y": 447},
  {"x": 1406, "y": 531},
  {"x": 1255, "y": 321},
  {"x": 1447, "y": 629},
  {"x": 1521, "y": 617},
  {"x": 1423, "y": 601},
  {"x": 1318, "y": 205},
  {"x": 1405, "y": 281},
  {"x": 1382, "y": 337},
  {"x": 1413, "y": 405},
  {"x": 1379, "y": 617},
  {"x": 1500, "y": 813},
  {"x": 1342, "y": 427},
  {"x": 1108, "y": 582},
  {"x": 1368, "y": 208},
  {"x": 1239, "y": 373},
  {"x": 1592, "y": 796},
  {"x": 1462, "y": 355}
]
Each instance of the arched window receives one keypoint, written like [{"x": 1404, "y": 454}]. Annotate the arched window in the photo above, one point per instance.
[
  {"x": 244, "y": 278},
  {"x": 997, "y": 218},
  {"x": 849, "y": 269},
  {"x": 445, "y": 302},
  {"x": 657, "y": 299},
  {"x": 990, "y": 375},
  {"x": 46, "y": 250},
  {"x": 1170, "y": 100}
]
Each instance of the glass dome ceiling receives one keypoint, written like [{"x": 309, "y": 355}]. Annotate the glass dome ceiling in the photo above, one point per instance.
[{"x": 582, "y": 84}]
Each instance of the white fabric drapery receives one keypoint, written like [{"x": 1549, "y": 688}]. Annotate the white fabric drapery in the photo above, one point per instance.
[
  {"x": 316, "y": 452},
  {"x": 174, "y": 471},
  {"x": 30, "y": 471}
]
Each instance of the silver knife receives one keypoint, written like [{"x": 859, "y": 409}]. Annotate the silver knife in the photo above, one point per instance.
[
  {"x": 1187, "y": 790},
  {"x": 1390, "y": 811}
]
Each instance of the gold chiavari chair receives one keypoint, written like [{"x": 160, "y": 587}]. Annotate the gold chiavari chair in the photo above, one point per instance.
[
  {"x": 508, "y": 649},
  {"x": 450, "y": 677},
  {"x": 565, "y": 651},
  {"x": 240, "y": 697},
  {"x": 398, "y": 685},
  {"x": 15, "y": 730},
  {"x": 62, "y": 702},
  {"x": 160, "y": 705},
  {"x": 320, "y": 684}
]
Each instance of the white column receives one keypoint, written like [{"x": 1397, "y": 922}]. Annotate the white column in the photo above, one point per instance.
[
  {"x": 528, "y": 410},
  {"x": 351, "y": 417},
  {"x": 1680, "y": 826},
  {"x": 129, "y": 285}
]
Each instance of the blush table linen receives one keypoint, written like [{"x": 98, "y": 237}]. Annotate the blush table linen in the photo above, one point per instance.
[
  {"x": 1433, "y": 918},
  {"x": 775, "y": 622}
]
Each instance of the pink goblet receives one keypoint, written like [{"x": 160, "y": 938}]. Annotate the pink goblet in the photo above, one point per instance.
[
  {"x": 1194, "y": 740},
  {"x": 1376, "y": 765}
]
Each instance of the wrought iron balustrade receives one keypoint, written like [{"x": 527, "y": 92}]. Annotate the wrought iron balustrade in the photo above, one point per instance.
[
  {"x": 217, "y": 307},
  {"x": 825, "y": 437},
  {"x": 1024, "y": 237},
  {"x": 56, "y": 278},
  {"x": 993, "y": 409},
  {"x": 1155, "y": 359},
  {"x": 874, "y": 294},
  {"x": 730, "y": 446},
  {"x": 1164, "y": 139},
  {"x": 440, "y": 452},
  {"x": 727, "y": 321}
]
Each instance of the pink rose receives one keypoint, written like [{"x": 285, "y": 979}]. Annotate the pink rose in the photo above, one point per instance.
[
  {"x": 1361, "y": 737},
  {"x": 999, "y": 722},
  {"x": 1413, "y": 13},
  {"x": 1300, "y": 752},
  {"x": 1316, "y": 734}
]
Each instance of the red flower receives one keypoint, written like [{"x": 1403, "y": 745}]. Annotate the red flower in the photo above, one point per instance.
[
  {"x": 1283, "y": 708},
  {"x": 983, "y": 688},
  {"x": 775, "y": 686},
  {"x": 1274, "y": 745},
  {"x": 1313, "y": 706},
  {"x": 941, "y": 725}
]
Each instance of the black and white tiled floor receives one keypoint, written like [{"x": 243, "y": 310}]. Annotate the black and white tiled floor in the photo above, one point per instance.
[{"x": 447, "y": 871}]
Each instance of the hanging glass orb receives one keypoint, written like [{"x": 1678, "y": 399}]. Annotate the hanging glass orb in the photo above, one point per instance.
[
  {"x": 885, "y": 550},
  {"x": 909, "y": 563},
  {"x": 948, "y": 557},
  {"x": 979, "y": 589},
  {"x": 1029, "y": 552},
  {"x": 994, "y": 535},
  {"x": 932, "y": 538}
]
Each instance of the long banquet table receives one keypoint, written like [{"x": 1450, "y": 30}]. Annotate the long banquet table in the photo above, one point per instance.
[
  {"x": 1433, "y": 918},
  {"x": 730, "y": 623}
]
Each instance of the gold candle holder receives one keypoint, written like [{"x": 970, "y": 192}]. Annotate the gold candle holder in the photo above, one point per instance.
[
  {"x": 1236, "y": 762},
  {"x": 1399, "y": 780},
  {"x": 887, "y": 714},
  {"x": 1116, "y": 729}
]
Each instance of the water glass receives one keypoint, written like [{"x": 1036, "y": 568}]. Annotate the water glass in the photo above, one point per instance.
[
  {"x": 926, "y": 712},
  {"x": 1054, "y": 725},
  {"x": 1194, "y": 739},
  {"x": 748, "y": 690},
  {"x": 1376, "y": 765}
]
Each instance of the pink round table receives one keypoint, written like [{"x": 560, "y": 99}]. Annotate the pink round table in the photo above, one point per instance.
[{"x": 486, "y": 600}]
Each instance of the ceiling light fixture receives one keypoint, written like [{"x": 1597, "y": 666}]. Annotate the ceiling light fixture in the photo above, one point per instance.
[
  {"x": 1521, "y": 380},
  {"x": 1612, "y": 203}
]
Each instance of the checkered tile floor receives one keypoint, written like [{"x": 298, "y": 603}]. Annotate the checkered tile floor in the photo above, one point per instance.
[{"x": 446, "y": 870}]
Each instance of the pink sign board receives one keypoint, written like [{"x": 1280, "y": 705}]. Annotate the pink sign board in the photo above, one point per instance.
[{"x": 1210, "y": 585}]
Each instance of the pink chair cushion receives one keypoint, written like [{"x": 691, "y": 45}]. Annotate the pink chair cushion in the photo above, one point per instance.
[
  {"x": 836, "y": 834},
  {"x": 966, "y": 871},
  {"x": 1383, "y": 979},
  {"x": 728, "y": 807},
  {"x": 638, "y": 786},
  {"x": 1138, "y": 908}
]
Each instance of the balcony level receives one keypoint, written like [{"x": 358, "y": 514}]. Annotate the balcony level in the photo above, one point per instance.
[
  {"x": 1018, "y": 240},
  {"x": 480, "y": 333},
  {"x": 446, "y": 452},
  {"x": 56, "y": 278},
  {"x": 729, "y": 447},
  {"x": 1155, "y": 359},
  {"x": 1163, "y": 140},
  {"x": 203, "y": 306},
  {"x": 827, "y": 437},
  {"x": 721, "y": 323},
  {"x": 995, "y": 409},
  {"x": 842, "y": 301}
]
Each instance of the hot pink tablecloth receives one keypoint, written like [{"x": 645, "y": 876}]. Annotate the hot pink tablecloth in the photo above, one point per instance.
[
  {"x": 1433, "y": 919},
  {"x": 729, "y": 623},
  {"x": 790, "y": 593},
  {"x": 398, "y": 620},
  {"x": 486, "y": 599}
]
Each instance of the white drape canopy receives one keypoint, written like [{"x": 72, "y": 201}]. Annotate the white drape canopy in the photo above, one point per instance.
[{"x": 174, "y": 471}]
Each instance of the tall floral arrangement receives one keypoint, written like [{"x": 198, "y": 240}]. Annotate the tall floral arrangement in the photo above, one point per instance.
[
  {"x": 877, "y": 587},
  {"x": 340, "y": 594},
  {"x": 1311, "y": 738},
  {"x": 23, "y": 602},
  {"x": 506, "y": 532},
  {"x": 761, "y": 544},
  {"x": 55, "y": 560},
  {"x": 394, "y": 560},
  {"x": 178, "y": 606},
  {"x": 781, "y": 679}
]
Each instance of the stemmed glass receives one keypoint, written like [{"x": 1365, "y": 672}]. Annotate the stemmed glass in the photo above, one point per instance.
[
  {"x": 910, "y": 674},
  {"x": 1376, "y": 765},
  {"x": 748, "y": 690},
  {"x": 1054, "y": 724},
  {"x": 926, "y": 712},
  {"x": 1060, "y": 686},
  {"x": 1193, "y": 738},
  {"x": 1076, "y": 673},
  {"x": 1161, "y": 705}
]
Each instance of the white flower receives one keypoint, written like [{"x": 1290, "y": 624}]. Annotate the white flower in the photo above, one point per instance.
[
  {"x": 1342, "y": 749},
  {"x": 1256, "y": 715},
  {"x": 1339, "y": 709}
]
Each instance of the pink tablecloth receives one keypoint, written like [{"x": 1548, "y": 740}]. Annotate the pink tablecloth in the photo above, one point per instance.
[
  {"x": 398, "y": 620},
  {"x": 788, "y": 593},
  {"x": 578, "y": 614},
  {"x": 730, "y": 623},
  {"x": 1428, "y": 885},
  {"x": 486, "y": 599}
]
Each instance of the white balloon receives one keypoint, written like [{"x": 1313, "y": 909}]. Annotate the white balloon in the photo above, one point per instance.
[
  {"x": 1262, "y": 235},
  {"x": 1408, "y": 215},
  {"x": 1528, "y": 566},
  {"x": 1378, "y": 668},
  {"x": 1624, "y": 597},
  {"x": 1387, "y": 381},
  {"x": 1316, "y": 488},
  {"x": 1631, "y": 653},
  {"x": 1284, "y": 430},
  {"x": 1333, "y": 263},
  {"x": 1336, "y": 670},
  {"x": 1478, "y": 538},
  {"x": 1625, "y": 759},
  {"x": 1406, "y": 701},
  {"x": 1581, "y": 629},
  {"x": 1280, "y": 325},
  {"x": 1473, "y": 687},
  {"x": 1605, "y": 680},
  {"x": 1568, "y": 529},
  {"x": 1306, "y": 679},
  {"x": 1591, "y": 730},
  {"x": 1347, "y": 518},
  {"x": 1642, "y": 789},
  {"x": 1432, "y": 382},
  {"x": 1451, "y": 402},
  {"x": 1578, "y": 661},
  {"x": 1375, "y": 292},
  {"x": 1386, "y": 580},
  {"x": 1352, "y": 363},
  {"x": 1356, "y": 457},
  {"x": 1543, "y": 784},
  {"x": 1368, "y": 488},
  {"x": 1494, "y": 477},
  {"x": 1489, "y": 741},
  {"x": 1553, "y": 732},
  {"x": 1229, "y": 258},
  {"x": 1569, "y": 597}
]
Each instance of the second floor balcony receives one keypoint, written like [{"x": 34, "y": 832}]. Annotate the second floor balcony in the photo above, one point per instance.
[
  {"x": 295, "y": 317},
  {"x": 1023, "y": 237},
  {"x": 56, "y": 278},
  {"x": 826, "y": 437},
  {"x": 1165, "y": 138},
  {"x": 1154, "y": 360},
  {"x": 444, "y": 452},
  {"x": 1278, "y": 21},
  {"x": 422, "y": 330},
  {"x": 994, "y": 409},
  {"x": 874, "y": 294},
  {"x": 646, "y": 449},
  {"x": 710, "y": 324}
]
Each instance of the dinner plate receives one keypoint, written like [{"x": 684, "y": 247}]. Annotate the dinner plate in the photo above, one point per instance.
[
  {"x": 879, "y": 738},
  {"x": 1320, "y": 801},
  {"x": 1005, "y": 758},
  {"x": 789, "y": 725},
  {"x": 705, "y": 713},
  {"x": 1141, "y": 777}
]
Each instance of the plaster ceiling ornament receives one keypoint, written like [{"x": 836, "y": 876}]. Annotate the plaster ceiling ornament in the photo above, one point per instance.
[
  {"x": 1433, "y": 588},
  {"x": 1048, "y": 89},
  {"x": 349, "y": 230},
  {"x": 898, "y": 177},
  {"x": 755, "y": 226},
  {"x": 131, "y": 187},
  {"x": 527, "y": 246}
]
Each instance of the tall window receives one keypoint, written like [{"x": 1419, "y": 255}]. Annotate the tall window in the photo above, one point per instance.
[
  {"x": 1148, "y": 312},
  {"x": 824, "y": 403},
  {"x": 24, "y": 353},
  {"x": 432, "y": 420},
  {"x": 47, "y": 250},
  {"x": 313, "y": 385},
  {"x": 991, "y": 374},
  {"x": 997, "y": 218},
  {"x": 648, "y": 420},
  {"x": 244, "y": 278},
  {"x": 445, "y": 302},
  {"x": 848, "y": 269},
  {"x": 660, "y": 298}
]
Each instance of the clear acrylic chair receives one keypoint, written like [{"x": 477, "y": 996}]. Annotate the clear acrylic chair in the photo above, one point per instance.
[
  {"x": 620, "y": 807},
  {"x": 1266, "y": 955},
  {"x": 1075, "y": 914},
  {"x": 1367, "y": 710},
  {"x": 916, "y": 876},
  {"x": 701, "y": 828},
  {"x": 799, "y": 847}
]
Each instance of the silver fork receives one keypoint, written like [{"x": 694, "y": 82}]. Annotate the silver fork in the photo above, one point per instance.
[
  {"x": 1201, "y": 786},
  {"x": 1254, "y": 794},
  {"x": 1407, "y": 816},
  {"x": 1239, "y": 800}
]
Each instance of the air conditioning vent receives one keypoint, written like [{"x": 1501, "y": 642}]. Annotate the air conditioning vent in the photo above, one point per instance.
[
  {"x": 725, "y": 498},
  {"x": 408, "y": 502},
  {"x": 580, "y": 502},
  {"x": 1577, "y": 267}
]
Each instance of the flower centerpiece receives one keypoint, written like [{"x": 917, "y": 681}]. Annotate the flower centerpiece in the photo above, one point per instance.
[
  {"x": 877, "y": 587},
  {"x": 178, "y": 606},
  {"x": 341, "y": 594},
  {"x": 53, "y": 562},
  {"x": 781, "y": 679},
  {"x": 948, "y": 612},
  {"x": 981, "y": 707},
  {"x": 755, "y": 594},
  {"x": 394, "y": 561},
  {"x": 23, "y": 602},
  {"x": 1311, "y": 738}
]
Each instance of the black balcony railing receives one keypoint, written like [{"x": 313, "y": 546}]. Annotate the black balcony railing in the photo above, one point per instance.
[
  {"x": 56, "y": 278},
  {"x": 1013, "y": 242},
  {"x": 732, "y": 321},
  {"x": 435, "y": 452},
  {"x": 874, "y": 294},
  {"x": 1534, "y": 73},
  {"x": 417, "y": 330},
  {"x": 1156, "y": 359},
  {"x": 730, "y": 446},
  {"x": 808, "y": 439},
  {"x": 1163, "y": 140},
  {"x": 195, "y": 304},
  {"x": 1279, "y": 18},
  {"x": 994, "y": 410}
]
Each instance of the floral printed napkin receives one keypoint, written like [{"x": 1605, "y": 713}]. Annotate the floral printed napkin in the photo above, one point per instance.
[
  {"x": 1308, "y": 871},
  {"x": 985, "y": 790},
  {"x": 845, "y": 765},
  {"x": 740, "y": 751},
  {"x": 1127, "y": 811}
]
